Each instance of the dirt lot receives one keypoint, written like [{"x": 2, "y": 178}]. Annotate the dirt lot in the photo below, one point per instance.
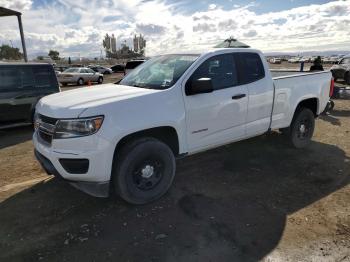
[{"x": 254, "y": 200}]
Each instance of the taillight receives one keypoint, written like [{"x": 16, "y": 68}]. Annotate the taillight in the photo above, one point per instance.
[{"x": 331, "y": 88}]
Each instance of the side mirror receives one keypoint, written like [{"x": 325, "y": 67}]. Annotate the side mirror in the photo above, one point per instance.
[{"x": 199, "y": 86}]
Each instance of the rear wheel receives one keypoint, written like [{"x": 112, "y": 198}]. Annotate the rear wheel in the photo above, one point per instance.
[
  {"x": 100, "y": 80},
  {"x": 302, "y": 128},
  {"x": 143, "y": 170}
]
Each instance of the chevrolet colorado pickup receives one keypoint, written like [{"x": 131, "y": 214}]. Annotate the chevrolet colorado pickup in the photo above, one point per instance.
[{"x": 125, "y": 137}]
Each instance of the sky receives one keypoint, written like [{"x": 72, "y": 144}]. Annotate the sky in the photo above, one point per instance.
[{"x": 77, "y": 27}]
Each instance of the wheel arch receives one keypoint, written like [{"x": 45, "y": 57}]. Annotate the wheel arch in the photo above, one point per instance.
[
  {"x": 310, "y": 103},
  {"x": 166, "y": 134}
]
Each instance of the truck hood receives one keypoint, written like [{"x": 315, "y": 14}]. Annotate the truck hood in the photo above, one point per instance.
[{"x": 71, "y": 104}]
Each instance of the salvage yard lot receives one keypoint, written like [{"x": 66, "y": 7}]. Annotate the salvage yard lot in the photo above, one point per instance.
[{"x": 254, "y": 200}]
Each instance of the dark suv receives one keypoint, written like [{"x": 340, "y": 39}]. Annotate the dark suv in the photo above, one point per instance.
[{"x": 21, "y": 87}]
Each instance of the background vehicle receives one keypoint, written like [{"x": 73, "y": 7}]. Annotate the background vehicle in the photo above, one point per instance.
[
  {"x": 79, "y": 76},
  {"x": 60, "y": 68},
  {"x": 342, "y": 70},
  {"x": 275, "y": 60},
  {"x": 101, "y": 69},
  {"x": 118, "y": 68},
  {"x": 294, "y": 60},
  {"x": 132, "y": 64},
  {"x": 171, "y": 106},
  {"x": 21, "y": 86}
]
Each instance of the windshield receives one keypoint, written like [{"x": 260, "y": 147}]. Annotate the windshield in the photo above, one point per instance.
[
  {"x": 71, "y": 70},
  {"x": 160, "y": 72},
  {"x": 345, "y": 61}
]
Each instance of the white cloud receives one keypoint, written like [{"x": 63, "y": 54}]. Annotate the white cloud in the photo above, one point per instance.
[
  {"x": 78, "y": 27},
  {"x": 19, "y": 5},
  {"x": 212, "y": 6}
]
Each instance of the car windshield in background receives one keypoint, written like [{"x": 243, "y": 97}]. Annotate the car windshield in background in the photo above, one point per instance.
[
  {"x": 345, "y": 61},
  {"x": 72, "y": 70},
  {"x": 160, "y": 72}
]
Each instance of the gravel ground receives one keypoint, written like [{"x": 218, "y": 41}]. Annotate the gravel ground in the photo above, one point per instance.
[{"x": 256, "y": 200}]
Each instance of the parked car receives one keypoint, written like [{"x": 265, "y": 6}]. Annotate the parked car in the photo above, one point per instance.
[
  {"x": 132, "y": 64},
  {"x": 21, "y": 86},
  {"x": 127, "y": 136},
  {"x": 294, "y": 60},
  {"x": 101, "y": 69},
  {"x": 342, "y": 70},
  {"x": 60, "y": 68},
  {"x": 118, "y": 68},
  {"x": 275, "y": 60},
  {"x": 79, "y": 76}
]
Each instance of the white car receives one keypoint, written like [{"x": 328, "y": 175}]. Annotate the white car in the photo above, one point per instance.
[
  {"x": 79, "y": 76},
  {"x": 128, "y": 135},
  {"x": 102, "y": 69},
  {"x": 294, "y": 60}
]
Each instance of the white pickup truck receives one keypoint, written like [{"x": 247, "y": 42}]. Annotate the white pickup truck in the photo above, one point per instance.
[{"x": 125, "y": 137}]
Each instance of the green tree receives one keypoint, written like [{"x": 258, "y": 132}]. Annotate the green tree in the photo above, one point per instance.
[
  {"x": 55, "y": 55},
  {"x": 11, "y": 53}
]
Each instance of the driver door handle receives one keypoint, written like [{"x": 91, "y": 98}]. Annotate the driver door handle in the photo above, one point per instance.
[{"x": 235, "y": 97}]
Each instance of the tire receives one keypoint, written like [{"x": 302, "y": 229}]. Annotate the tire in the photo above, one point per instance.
[
  {"x": 64, "y": 84},
  {"x": 80, "y": 82},
  {"x": 100, "y": 80},
  {"x": 347, "y": 78},
  {"x": 143, "y": 171},
  {"x": 302, "y": 128}
]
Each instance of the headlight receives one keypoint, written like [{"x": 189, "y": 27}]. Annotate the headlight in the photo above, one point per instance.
[
  {"x": 77, "y": 127},
  {"x": 36, "y": 121}
]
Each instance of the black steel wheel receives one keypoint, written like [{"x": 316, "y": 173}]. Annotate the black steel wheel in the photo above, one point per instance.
[
  {"x": 302, "y": 128},
  {"x": 143, "y": 170}
]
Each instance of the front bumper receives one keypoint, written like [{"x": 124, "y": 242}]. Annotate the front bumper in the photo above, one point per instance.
[
  {"x": 67, "y": 80},
  {"x": 94, "y": 178},
  {"x": 97, "y": 189}
]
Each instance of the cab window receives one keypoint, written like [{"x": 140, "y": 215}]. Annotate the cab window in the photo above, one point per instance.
[
  {"x": 221, "y": 69},
  {"x": 44, "y": 77},
  {"x": 250, "y": 67},
  {"x": 9, "y": 79},
  {"x": 27, "y": 78}
]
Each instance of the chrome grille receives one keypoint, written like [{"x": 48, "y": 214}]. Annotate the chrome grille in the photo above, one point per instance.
[{"x": 46, "y": 128}]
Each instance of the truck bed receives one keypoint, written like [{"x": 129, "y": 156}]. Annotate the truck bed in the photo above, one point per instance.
[
  {"x": 291, "y": 87},
  {"x": 283, "y": 73}
]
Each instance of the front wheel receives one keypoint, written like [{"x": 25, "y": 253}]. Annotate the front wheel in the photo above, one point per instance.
[
  {"x": 143, "y": 170},
  {"x": 302, "y": 128},
  {"x": 100, "y": 80}
]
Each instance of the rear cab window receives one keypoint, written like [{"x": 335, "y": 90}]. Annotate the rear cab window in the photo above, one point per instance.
[
  {"x": 27, "y": 77},
  {"x": 45, "y": 78},
  {"x": 250, "y": 67}
]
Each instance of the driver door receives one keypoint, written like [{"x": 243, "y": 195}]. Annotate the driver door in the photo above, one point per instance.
[{"x": 218, "y": 117}]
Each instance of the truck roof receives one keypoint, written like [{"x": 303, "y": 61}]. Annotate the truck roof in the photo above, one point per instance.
[{"x": 216, "y": 50}]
